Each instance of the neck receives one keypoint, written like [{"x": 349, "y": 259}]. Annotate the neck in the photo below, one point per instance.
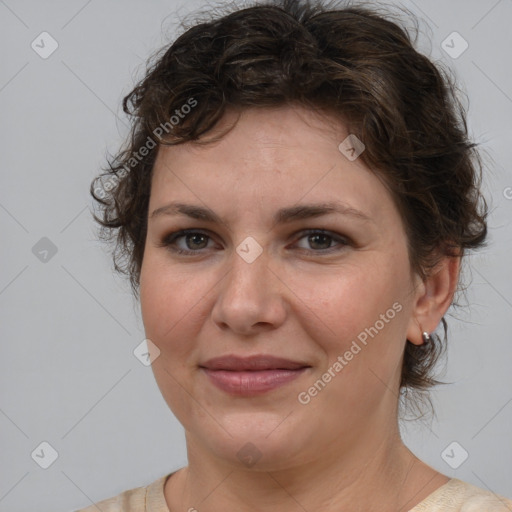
[{"x": 378, "y": 474}]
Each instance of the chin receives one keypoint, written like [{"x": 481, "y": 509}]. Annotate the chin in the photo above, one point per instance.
[{"x": 258, "y": 441}]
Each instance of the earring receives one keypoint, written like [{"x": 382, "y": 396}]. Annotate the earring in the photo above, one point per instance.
[{"x": 426, "y": 337}]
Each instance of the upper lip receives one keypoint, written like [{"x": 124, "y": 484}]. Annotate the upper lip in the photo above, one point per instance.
[{"x": 256, "y": 362}]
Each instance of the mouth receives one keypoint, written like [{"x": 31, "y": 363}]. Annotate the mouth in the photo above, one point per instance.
[
  {"x": 246, "y": 376},
  {"x": 252, "y": 363}
]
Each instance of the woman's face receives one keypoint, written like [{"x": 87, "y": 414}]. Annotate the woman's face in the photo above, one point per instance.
[{"x": 340, "y": 303}]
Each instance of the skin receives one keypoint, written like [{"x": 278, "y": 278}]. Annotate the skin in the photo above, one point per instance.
[{"x": 342, "y": 450}]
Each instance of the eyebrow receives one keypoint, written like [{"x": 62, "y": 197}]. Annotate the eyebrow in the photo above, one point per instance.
[{"x": 284, "y": 215}]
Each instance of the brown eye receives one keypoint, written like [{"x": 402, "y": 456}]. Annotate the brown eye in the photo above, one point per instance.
[{"x": 320, "y": 239}]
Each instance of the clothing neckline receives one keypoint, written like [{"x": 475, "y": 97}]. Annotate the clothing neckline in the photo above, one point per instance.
[
  {"x": 434, "y": 495},
  {"x": 155, "y": 497}
]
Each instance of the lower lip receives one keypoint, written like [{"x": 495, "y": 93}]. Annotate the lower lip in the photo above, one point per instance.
[{"x": 246, "y": 383}]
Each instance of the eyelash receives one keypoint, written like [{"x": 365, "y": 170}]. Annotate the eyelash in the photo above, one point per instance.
[{"x": 169, "y": 240}]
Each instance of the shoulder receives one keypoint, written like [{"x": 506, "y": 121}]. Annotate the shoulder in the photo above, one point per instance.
[
  {"x": 130, "y": 500},
  {"x": 459, "y": 496}
]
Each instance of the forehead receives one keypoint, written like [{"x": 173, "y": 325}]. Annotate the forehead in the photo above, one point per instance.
[{"x": 271, "y": 157}]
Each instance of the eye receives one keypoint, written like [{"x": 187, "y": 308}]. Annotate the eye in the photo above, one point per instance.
[
  {"x": 194, "y": 241},
  {"x": 320, "y": 240}
]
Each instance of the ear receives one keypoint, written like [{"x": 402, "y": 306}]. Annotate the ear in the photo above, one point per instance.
[{"x": 433, "y": 297}]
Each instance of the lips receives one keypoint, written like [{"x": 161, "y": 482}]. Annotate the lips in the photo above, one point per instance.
[
  {"x": 249, "y": 376},
  {"x": 252, "y": 363}
]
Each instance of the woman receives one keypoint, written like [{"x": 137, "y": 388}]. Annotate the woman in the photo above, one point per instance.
[{"x": 293, "y": 208}]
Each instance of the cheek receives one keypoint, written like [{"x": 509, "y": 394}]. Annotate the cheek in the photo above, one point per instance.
[
  {"x": 169, "y": 307},
  {"x": 337, "y": 305},
  {"x": 167, "y": 300},
  {"x": 343, "y": 319}
]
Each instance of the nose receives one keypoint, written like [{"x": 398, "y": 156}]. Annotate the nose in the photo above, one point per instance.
[{"x": 250, "y": 298}]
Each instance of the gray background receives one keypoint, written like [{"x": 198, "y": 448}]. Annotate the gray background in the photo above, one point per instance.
[{"x": 68, "y": 375}]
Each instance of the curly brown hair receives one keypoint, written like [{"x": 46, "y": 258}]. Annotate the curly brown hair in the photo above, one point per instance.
[{"x": 356, "y": 63}]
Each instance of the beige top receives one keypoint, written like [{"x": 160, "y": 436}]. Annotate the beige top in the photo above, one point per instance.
[{"x": 454, "y": 496}]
